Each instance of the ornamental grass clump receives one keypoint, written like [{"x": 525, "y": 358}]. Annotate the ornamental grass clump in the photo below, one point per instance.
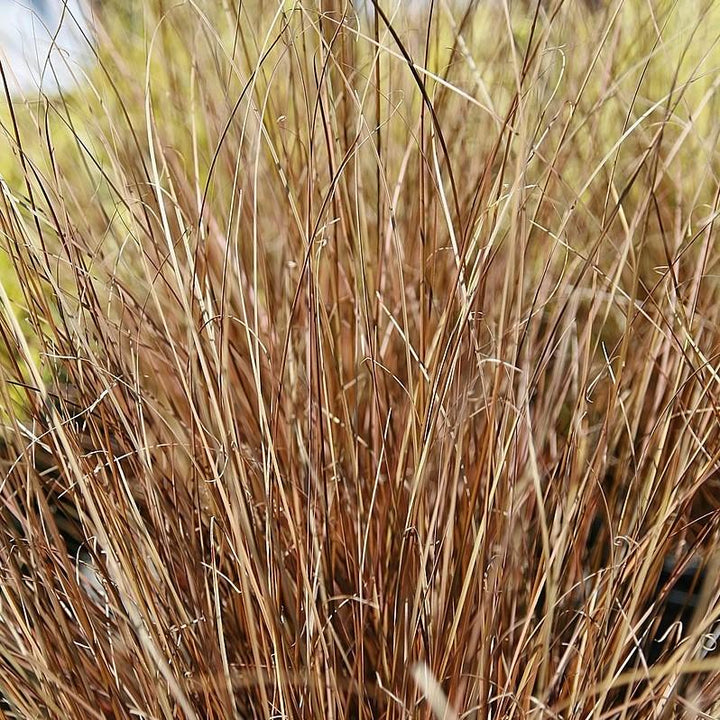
[{"x": 361, "y": 361}]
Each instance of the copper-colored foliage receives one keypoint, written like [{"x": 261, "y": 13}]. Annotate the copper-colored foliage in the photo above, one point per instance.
[{"x": 363, "y": 365}]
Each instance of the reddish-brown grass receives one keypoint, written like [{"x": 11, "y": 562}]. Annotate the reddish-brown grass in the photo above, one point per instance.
[{"x": 364, "y": 365}]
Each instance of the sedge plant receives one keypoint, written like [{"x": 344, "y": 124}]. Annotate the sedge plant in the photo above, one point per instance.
[{"x": 360, "y": 361}]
